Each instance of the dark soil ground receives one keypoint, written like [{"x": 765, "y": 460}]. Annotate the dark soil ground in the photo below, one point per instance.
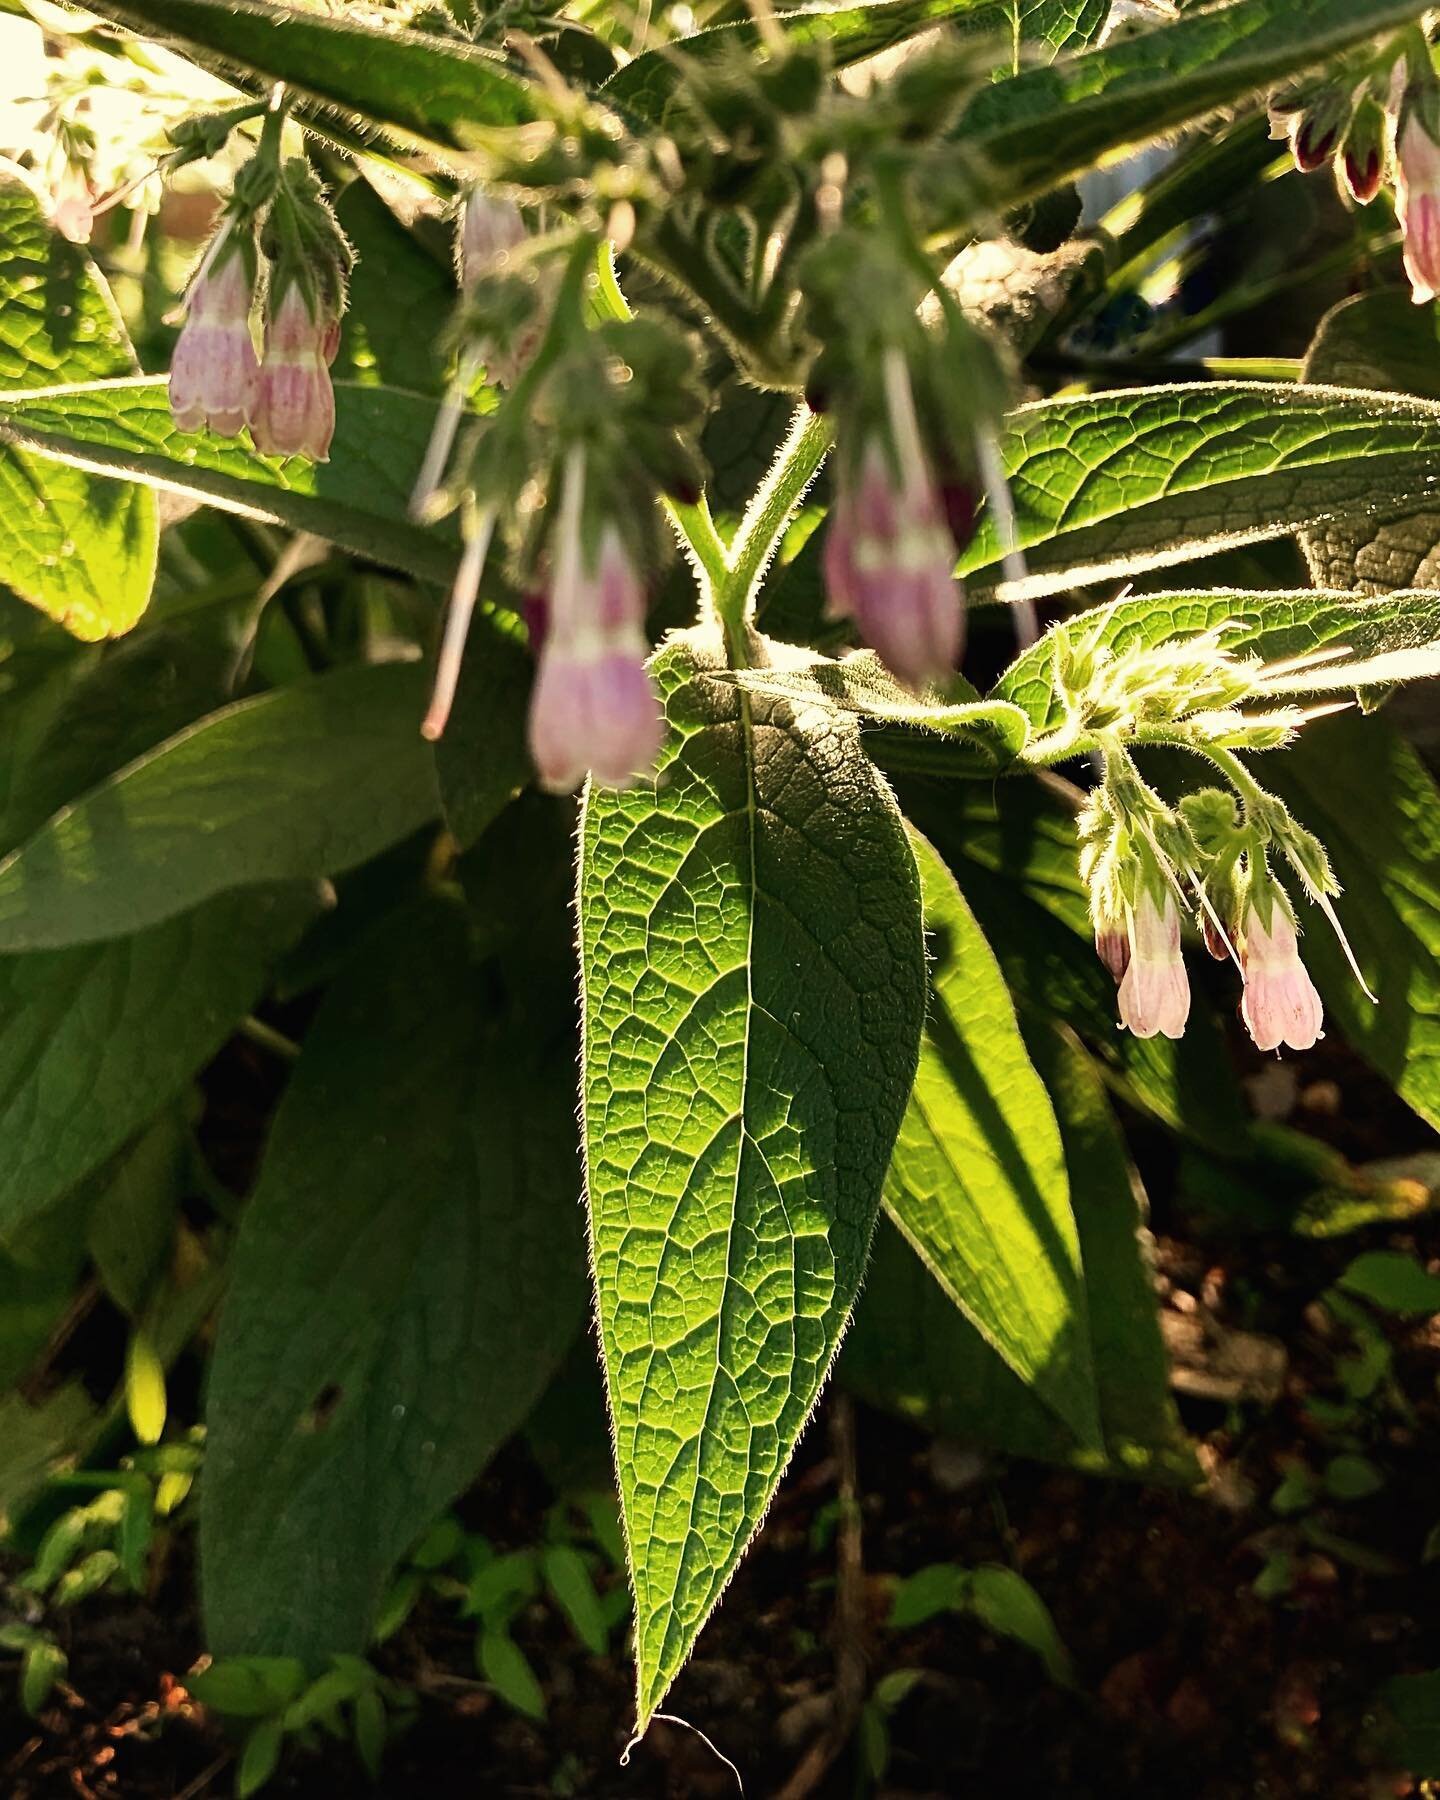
[{"x": 1187, "y": 1681}]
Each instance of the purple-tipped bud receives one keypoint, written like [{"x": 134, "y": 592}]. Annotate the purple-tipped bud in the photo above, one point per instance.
[
  {"x": 1317, "y": 129},
  {"x": 1155, "y": 993},
  {"x": 490, "y": 229},
  {"x": 214, "y": 373},
  {"x": 295, "y": 408},
  {"x": 889, "y": 563},
  {"x": 1367, "y": 151},
  {"x": 1112, "y": 946},
  {"x": 593, "y": 707},
  {"x": 1417, "y": 200},
  {"x": 1280, "y": 1004},
  {"x": 1214, "y": 938}
]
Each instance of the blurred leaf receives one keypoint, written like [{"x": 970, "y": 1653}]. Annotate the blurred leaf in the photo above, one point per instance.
[
  {"x": 1350, "y": 1477},
  {"x": 1413, "y": 1703},
  {"x": 132, "y": 1219},
  {"x": 569, "y": 1581},
  {"x": 1394, "y": 1282},
  {"x": 370, "y": 1731},
  {"x": 39, "y": 1268},
  {"x": 1356, "y": 783},
  {"x": 44, "y": 1664},
  {"x": 438, "y": 92},
  {"x": 407, "y": 1277},
  {"x": 38, "y": 1437},
  {"x": 358, "y": 499},
  {"x": 1006, "y": 1602},
  {"x": 926, "y": 1594},
  {"x": 503, "y": 1664},
  {"x": 79, "y": 547},
  {"x": 1046, "y": 125},
  {"x": 259, "y": 1759},
  {"x": 248, "y": 1687},
  {"x": 94, "y": 1041},
  {"x": 303, "y": 782},
  {"x": 401, "y": 299},
  {"x": 977, "y": 1180},
  {"x": 753, "y": 968},
  {"x": 482, "y": 760}
]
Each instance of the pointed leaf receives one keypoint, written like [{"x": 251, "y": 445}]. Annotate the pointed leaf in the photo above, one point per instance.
[
  {"x": 80, "y": 548},
  {"x": 754, "y": 990},
  {"x": 407, "y": 1278},
  {"x": 977, "y": 1180},
  {"x": 357, "y": 500},
  {"x": 304, "y": 782}
]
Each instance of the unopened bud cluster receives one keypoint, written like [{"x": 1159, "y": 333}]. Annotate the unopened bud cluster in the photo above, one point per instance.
[
  {"x": 278, "y": 254},
  {"x": 1384, "y": 125}
]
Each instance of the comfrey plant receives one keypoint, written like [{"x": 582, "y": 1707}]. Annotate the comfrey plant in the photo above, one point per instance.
[{"x": 696, "y": 421}]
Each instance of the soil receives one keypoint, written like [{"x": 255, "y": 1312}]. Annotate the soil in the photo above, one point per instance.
[{"x": 1188, "y": 1681}]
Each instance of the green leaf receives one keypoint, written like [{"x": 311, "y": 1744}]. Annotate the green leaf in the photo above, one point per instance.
[
  {"x": 977, "y": 1180},
  {"x": 1381, "y": 342},
  {"x": 132, "y": 1219},
  {"x": 438, "y": 92},
  {"x": 38, "y": 1439},
  {"x": 483, "y": 758},
  {"x": 39, "y": 1266},
  {"x": 259, "y": 1759},
  {"x": 357, "y": 500},
  {"x": 1271, "y": 626},
  {"x": 95, "y": 1040},
  {"x": 912, "y": 1352},
  {"x": 44, "y": 1664},
  {"x": 1045, "y": 126},
  {"x": 1006, "y": 1602},
  {"x": 1413, "y": 1703},
  {"x": 248, "y": 1687},
  {"x": 1108, "y": 485},
  {"x": 80, "y": 548},
  {"x": 568, "y": 1579},
  {"x": 1365, "y": 793},
  {"x": 1057, "y": 25},
  {"x": 987, "y": 734},
  {"x": 303, "y": 782},
  {"x": 401, "y": 299},
  {"x": 369, "y": 1718},
  {"x": 406, "y": 1278},
  {"x": 1397, "y": 1283},
  {"x": 505, "y": 1666},
  {"x": 753, "y": 971}
]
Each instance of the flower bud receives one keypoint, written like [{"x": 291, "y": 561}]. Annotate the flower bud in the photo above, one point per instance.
[
  {"x": 1280, "y": 1004},
  {"x": 214, "y": 372},
  {"x": 1155, "y": 993},
  {"x": 295, "y": 407},
  {"x": 1316, "y": 132},
  {"x": 490, "y": 228},
  {"x": 1417, "y": 189},
  {"x": 1112, "y": 946},
  {"x": 1367, "y": 150}
]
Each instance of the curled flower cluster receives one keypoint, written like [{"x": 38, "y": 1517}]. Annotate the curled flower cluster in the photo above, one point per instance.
[
  {"x": 1386, "y": 126},
  {"x": 294, "y": 276}
]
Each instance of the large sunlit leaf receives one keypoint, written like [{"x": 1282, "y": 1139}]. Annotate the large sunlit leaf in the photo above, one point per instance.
[
  {"x": 1386, "y": 343},
  {"x": 408, "y": 1276},
  {"x": 1045, "y": 125},
  {"x": 80, "y": 548},
  {"x": 977, "y": 1180},
  {"x": 1356, "y": 783},
  {"x": 304, "y": 782},
  {"x": 358, "y": 499},
  {"x": 441, "y": 92},
  {"x": 95, "y": 1040},
  {"x": 1111, "y": 484},
  {"x": 1273, "y": 627},
  {"x": 913, "y": 1352},
  {"x": 753, "y": 969}
]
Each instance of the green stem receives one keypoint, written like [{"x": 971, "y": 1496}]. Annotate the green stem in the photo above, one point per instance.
[
  {"x": 769, "y": 513},
  {"x": 1239, "y": 777}
]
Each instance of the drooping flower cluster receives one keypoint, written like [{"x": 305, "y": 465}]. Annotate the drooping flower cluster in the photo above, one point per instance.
[
  {"x": 288, "y": 260},
  {"x": 1385, "y": 125}
]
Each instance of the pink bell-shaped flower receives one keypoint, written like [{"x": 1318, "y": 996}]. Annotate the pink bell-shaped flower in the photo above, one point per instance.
[
  {"x": 1155, "y": 992},
  {"x": 1417, "y": 201},
  {"x": 1280, "y": 1004},
  {"x": 593, "y": 707},
  {"x": 294, "y": 411},
  {"x": 214, "y": 372}
]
